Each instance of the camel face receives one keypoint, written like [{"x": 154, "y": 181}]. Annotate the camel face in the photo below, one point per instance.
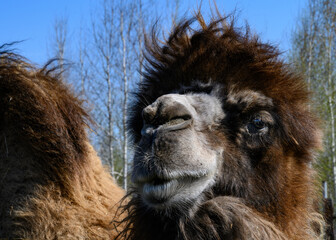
[
  {"x": 188, "y": 142},
  {"x": 175, "y": 163}
]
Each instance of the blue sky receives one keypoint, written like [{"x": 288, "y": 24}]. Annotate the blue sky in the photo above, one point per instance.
[{"x": 32, "y": 20}]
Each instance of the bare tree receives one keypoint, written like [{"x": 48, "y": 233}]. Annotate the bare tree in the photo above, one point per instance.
[
  {"x": 82, "y": 68},
  {"x": 60, "y": 41},
  {"x": 314, "y": 53},
  {"x": 127, "y": 50},
  {"x": 311, "y": 37},
  {"x": 125, "y": 78},
  {"x": 102, "y": 61},
  {"x": 110, "y": 62},
  {"x": 328, "y": 39},
  {"x": 114, "y": 60},
  {"x": 174, "y": 8},
  {"x": 140, "y": 32}
]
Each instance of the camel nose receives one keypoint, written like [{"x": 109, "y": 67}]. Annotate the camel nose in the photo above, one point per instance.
[{"x": 171, "y": 111}]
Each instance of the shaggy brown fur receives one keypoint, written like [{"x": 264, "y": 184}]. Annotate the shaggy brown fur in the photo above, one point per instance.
[
  {"x": 264, "y": 188},
  {"x": 52, "y": 184}
]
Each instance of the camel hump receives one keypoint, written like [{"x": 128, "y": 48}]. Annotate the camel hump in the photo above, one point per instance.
[{"x": 40, "y": 110}]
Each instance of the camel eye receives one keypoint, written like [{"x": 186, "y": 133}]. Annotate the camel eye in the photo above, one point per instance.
[
  {"x": 258, "y": 122},
  {"x": 256, "y": 125}
]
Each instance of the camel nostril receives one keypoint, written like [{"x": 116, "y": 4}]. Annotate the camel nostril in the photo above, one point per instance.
[
  {"x": 177, "y": 123},
  {"x": 169, "y": 111},
  {"x": 175, "y": 113},
  {"x": 177, "y": 120}
]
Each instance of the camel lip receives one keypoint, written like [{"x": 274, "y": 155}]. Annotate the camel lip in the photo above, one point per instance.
[
  {"x": 151, "y": 179},
  {"x": 158, "y": 194},
  {"x": 159, "y": 179},
  {"x": 161, "y": 193}
]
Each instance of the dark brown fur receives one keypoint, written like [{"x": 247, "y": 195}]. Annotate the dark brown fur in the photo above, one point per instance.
[
  {"x": 262, "y": 193},
  {"x": 52, "y": 183}
]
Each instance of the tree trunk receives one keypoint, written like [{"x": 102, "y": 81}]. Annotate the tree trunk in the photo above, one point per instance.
[
  {"x": 331, "y": 104},
  {"x": 110, "y": 122},
  {"x": 124, "y": 68}
]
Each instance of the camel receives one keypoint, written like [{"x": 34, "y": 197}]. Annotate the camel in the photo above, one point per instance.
[
  {"x": 224, "y": 140},
  {"x": 52, "y": 183}
]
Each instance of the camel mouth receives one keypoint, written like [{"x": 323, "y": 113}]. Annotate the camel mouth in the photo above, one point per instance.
[{"x": 161, "y": 192}]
